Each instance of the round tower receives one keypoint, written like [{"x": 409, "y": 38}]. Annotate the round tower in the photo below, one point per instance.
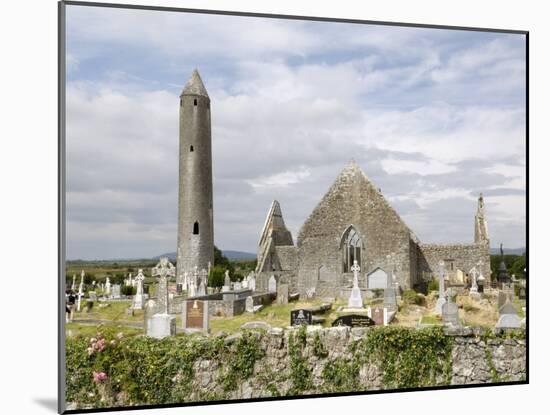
[{"x": 195, "y": 216}]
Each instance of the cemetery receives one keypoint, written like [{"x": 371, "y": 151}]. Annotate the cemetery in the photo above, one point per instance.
[{"x": 358, "y": 304}]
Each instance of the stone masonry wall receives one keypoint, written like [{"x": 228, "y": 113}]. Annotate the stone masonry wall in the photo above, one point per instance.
[
  {"x": 474, "y": 361},
  {"x": 464, "y": 257}
]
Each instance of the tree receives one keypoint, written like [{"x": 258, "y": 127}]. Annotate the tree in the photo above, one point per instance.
[
  {"x": 222, "y": 261},
  {"x": 217, "y": 276}
]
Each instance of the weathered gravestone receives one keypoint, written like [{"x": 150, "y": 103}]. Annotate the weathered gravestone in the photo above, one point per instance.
[
  {"x": 252, "y": 282},
  {"x": 194, "y": 315},
  {"x": 115, "y": 291},
  {"x": 301, "y": 317},
  {"x": 161, "y": 325},
  {"x": 282, "y": 294},
  {"x": 441, "y": 300},
  {"x": 503, "y": 297},
  {"x": 237, "y": 286},
  {"x": 377, "y": 279},
  {"x": 92, "y": 295},
  {"x": 522, "y": 293},
  {"x": 202, "y": 289},
  {"x": 272, "y": 284},
  {"x": 390, "y": 299},
  {"x": 377, "y": 316},
  {"x": 226, "y": 282},
  {"x": 450, "y": 312},
  {"x": 249, "y": 304},
  {"x": 353, "y": 320},
  {"x": 137, "y": 302},
  {"x": 509, "y": 318}
]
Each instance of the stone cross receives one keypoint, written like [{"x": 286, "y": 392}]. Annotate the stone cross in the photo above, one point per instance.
[
  {"x": 441, "y": 300},
  {"x": 164, "y": 270},
  {"x": 355, "y": 300},
  {"x": 80, "y": 292},
  {"x": 81, "y": 286},
  {"x": 108, "y": 286},
  {"x": 227, "y": 280},
  {"x": 138, "y": 298},
  {"x": 355, "y": 268},
  {"x": 73, "y": 286},
  {"x": 473, "y": 271}
]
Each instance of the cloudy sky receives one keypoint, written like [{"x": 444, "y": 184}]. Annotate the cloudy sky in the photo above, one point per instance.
[{"x": 433, "y": 117}]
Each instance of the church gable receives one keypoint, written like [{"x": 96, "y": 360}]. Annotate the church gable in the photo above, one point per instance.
[{"x": 352, "y": 199}]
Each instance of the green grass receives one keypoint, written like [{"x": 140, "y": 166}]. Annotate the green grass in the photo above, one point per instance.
[
  {"x": 90, "y": 330},
  {"x": 115, "y": 312},
  {"x": 275, "y": 315},
  {"x": 430, "y": 320}
]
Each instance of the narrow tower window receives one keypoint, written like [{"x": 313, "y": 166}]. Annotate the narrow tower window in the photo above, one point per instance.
[
  {"x": 196, "y": 228},
  {"x": 195, "y": 102},
  {"x": 181, "y": 102},
  {"x": 191, "y": 148}
]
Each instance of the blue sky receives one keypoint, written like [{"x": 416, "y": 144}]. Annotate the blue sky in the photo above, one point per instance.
[{"x": 432, "y": 116}]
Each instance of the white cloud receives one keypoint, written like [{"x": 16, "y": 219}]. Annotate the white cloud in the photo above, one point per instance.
[{"x": 285, "y": 121}]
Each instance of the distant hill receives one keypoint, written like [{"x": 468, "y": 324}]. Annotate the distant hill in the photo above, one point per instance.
[
  {"x": 229, "y": 254},
  {"x": 508, "y": 251}
]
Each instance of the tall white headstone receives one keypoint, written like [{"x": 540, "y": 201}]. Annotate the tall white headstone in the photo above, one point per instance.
[
  {"x": 355, "y": 300},
  {"x": 73, "y": 285},
  {"x": 108, "y": 287},
  {"x": 252, "y": 281},
  {"x": 441, "y": 300},
  {"x": 137, "y": 303}
]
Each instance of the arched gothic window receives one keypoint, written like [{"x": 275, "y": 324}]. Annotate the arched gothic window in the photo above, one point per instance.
[
  {"x": 351, "y": 248},
  {"x": 196, "y": 228}
]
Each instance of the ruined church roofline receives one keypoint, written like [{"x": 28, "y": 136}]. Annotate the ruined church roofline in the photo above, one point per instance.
[
  {"x": 353, "y": 169},
  {"x": 194, "y": 86},
  {"x": 274, "y": 212}
]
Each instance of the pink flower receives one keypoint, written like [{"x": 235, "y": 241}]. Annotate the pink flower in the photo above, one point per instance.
[{"x": 99, "y": 376}]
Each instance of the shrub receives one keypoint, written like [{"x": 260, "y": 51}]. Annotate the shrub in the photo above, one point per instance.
[
  {"x": 217, "y": 276},
  {"x": 433, "y": 285},
  {"x": 412, "y": 297},
  {"x": 128, "y": 290}
]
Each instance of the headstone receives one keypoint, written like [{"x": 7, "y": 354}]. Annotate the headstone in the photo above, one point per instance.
[
  {"x": 473, "y": 288},
  {"x": 237, "y": 286},
  {"x": 107, "y": 288},
  {"x": 272, "y": 284},
  {"x": 390, "y": 299},
  {"x": 521, "y": 293},
  {"x": 92, "y": 296},
  {"x": 377, "y": 316},
  {"x": 249, "y": 304},
  {"x": 115, "y": 291},
  {"x": 245, "y": 282},
  {"x": 137, "y": 302},
  {"x": 252, "y": 282},
  {"x": 202, "y": 289},
  {"x": 377, "y": 279},
  {"x": 191, "y": 292},
  {"x": 353, "y": 320},
  {"x": 355, "y": 300},
  {"x": 194, "y": 315},
  {"x": 73, "y": 285},
  {"x": 300, "y": 317},
  {"x": 441, "y": 300},
  {"x": 164, "y": 270},
  {"x": 282, "y": 294},
  {"x": 509, "y": 318},
  {"x": 450, "y": 312},
  {"x": 161, "y": 325},
  {"x": 226, "y": 282}
]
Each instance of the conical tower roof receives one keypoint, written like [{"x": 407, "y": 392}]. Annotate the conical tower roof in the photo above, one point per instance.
[{"x": 194, "y": 86}]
